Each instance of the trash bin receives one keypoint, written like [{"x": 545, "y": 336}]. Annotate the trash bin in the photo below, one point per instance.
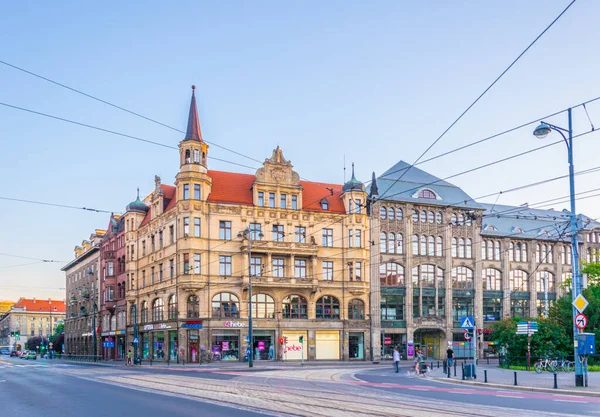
[{"x": 469, "y": 370}]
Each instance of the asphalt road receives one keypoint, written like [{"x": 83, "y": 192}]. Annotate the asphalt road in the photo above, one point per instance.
[{"x": 33, "y": 388}]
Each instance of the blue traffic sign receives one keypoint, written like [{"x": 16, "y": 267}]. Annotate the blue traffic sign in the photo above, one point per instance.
[
  {"x": 468, "y": 323},
  {"x": 136, "y": 340}
]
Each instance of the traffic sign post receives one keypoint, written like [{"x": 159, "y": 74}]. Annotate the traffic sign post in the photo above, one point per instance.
[
  {"x": 581, "y": 321},
  {"x": 580, "y": 303},
  {"x": 469, "y": 323},
  {"x": 528, "y": 328}
]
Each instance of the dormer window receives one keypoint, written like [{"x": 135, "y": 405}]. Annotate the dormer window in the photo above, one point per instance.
[
  {"x": 518, "y": 230},
  {"x": 196, "y": 156},
  {"x": 490, "y": 228},
  {"x": 261, "y": 199},
  {"x": 427, "y": 194},
  {"x": 324, "y": 204}
]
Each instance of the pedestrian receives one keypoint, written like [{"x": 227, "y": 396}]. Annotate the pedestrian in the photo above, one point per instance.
[
  {"x": 450, "y": 355},
  {"x": 417, "y": 354},
  {"x": 129, "y": 358},
  {"x": 396, "y": 358}
]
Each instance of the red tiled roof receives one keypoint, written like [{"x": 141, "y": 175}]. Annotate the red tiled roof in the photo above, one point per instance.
[
  {"x": 43, "y": 305},
  {"x": 168, "y": 202}
]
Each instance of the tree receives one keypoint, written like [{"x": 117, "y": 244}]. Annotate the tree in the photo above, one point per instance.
[
  {"x": 58, "y": 343},
  {"x": 59, "y": 329},
  {"x": 34, "y": 342}
]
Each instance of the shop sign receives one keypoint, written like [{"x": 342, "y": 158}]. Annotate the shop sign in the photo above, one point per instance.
[
  {"x": 225, "y": 345},
  {"x": 148, "y": 326},
  {"x": 164, "y": 326},
  {"x": 410, "y": 349},
  {"x": 235, "y": 324},
  {"x": 107, "y": 334},
  {"x": 387, "y": 340},
  {"x": 108, "y": 344},
  {"x": 192, "y": 324},
  {"x": 292, "y": 348},
  {"x": 87, "y": 334},
  {"x": 261, "y": 345},
  {"x": 120, "y": 331}
]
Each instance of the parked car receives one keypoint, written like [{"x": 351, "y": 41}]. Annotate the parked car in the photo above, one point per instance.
[
  {"x": 14, "y": 353},
  {"x": 30, "y": 354},
  {"x": 4, "y": 352}
]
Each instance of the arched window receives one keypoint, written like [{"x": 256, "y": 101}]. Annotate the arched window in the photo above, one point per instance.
[
  {"x": 356, "y": 310},
  {"x": 454, "y": 247},
  {"x": 492, "y": 279},
  {"x": 589, "y": 255},
  {"x": 519, "y": 280},
  {"x": 462, "y": 277},
  {"x": 172, "y": 308},
  {"x": 391, "y": 275},
  {"x": 158, "y": 310},
  {"x": 263, "y": 306},
  {"x": 511, "y": 251},
  {"x": 438, "y": 217},
  {"x": 383, "y": 242},
  {"x": 328, "y": 308},
  {"x": 538, "y": 253},
  {"x": 518, "y": 252},
  {"x": 399, "y": 214},
  {"x": 145, "y": 312},
  {"x": 415, "y": 216},
  {"x": 461, "y": 220},
  {"x": 541, "y": 278},
  {"x": 428, "y": 194},
  {"x": 132, "y": 314},
  {"x": 439, "y": 249},
  {"x": 426, "y": 276},
  {"x": 468, "y": 248},
  {"x": 399, "y": 244},
  {"x": 496, "y": 250},
  {"x": 383, "y": 213},
  {"x": 423, "y": 216},
  {"x": 524, "y": 252},
  {"x": 461, "y": 248},
  {"x": 468, "y": 220},
  {"x": 391, "y": 243},
  {"x": 225, "y": 305},
  {"x": 423, "y": 250},
  {"x": 430, "y": 217},
  {"x": 187, "y": 156},
  {"x": 415, "y": 245},
  {"x": 196, "y": 156},
  {"x": 193, "y": 306},
  {"x": 431, "y": 246},
  {"x": 294, "y": 307},
  {"x": 391, "y": 213},
  {"x": 454, "y": 220}
]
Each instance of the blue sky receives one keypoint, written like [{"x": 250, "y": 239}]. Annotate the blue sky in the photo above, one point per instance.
[{"x": 375, "y": 82}]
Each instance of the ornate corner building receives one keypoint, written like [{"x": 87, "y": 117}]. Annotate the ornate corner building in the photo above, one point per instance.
[{"x": 194, "y": 249}]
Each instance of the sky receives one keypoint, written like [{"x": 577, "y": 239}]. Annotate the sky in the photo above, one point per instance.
[{"x": 365, "y": 82}]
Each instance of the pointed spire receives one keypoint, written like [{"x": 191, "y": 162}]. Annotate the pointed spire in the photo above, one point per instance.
[
  {"x": 374, "y": 190},
  {"x": 193, "y": 127},
  {"x": 353, "y": 177}
]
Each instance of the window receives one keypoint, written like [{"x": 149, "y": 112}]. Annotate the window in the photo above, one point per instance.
[
  {"x": 391, "y": 275},
  {"x": 277, "y": 233},
  {"x": 196, "y": 191},
  {"x": 263, "y": 306},
  {"x": 294, "y": 307},
  {"x": 171, "y": 268},
  {"x": 111, "y": 269},
  {"x": 255, "y": 266},
  {"x": 272, "y": 200},
  {"x": 430, "y": 217},
  {"x": 454, "y": 220},
  {"x": 383, "y": 246},
  {"x": 468, "y": 248},
  {"x": 327, "y": 271},
  {"x": 225, "y": 305},
  {"x": 357, "y": 206},
  {"x": 391, "y": 213},
  {"x": 423, "y": 216},
  {"x": 461, "y": 248},
  {"x": 283, "y": 201},
  {"x": 143, "y": 248},
  {"x": 300, "y": 268},
  {"x": 438, "y": 246},
  {"x": 328, "y": 308},
  {"x": 545, "y": 282},
  {"x": 158, "y": 309},
  {"x": 193, "y": 307},
  {"x": 110, "y": 294},
  {"x": 171, "y": 235},
  {"x": 294, "y": 202},
  {"x": 358, "y": 271},
  {"x": 426, "y": 275},
  {"x": 144, "y": 312},
  {"x": 392, "y": 307},
  {"x": 196, "y": 227},
  {"x": 186, "y": 226},
  {"x": 196, "y": 156},
  {"x": 391, "y": 246},
  {"x": 519, "y": 280},
  {"x": 160, "y": 240},
  {"x": 415, "y": 245},
  {"x": 356, "y": 310},
  {"x": 462, "y": 277},
  {"x": 225, "y": 230},
  {"x": 172, "y": 307},
  {"x": 225, "y": 266},
  {"x": 261, "y": 199},
  {"x": 152, "y": 243},
  {"x": 152, "y": 276},
  {"x": 350, "y": 238},
  {"x": 438, "y": 217},
  {"x": 186, "y": 263},
  {"x": 423, "y": 245},
  {"x": 492, "y": 280},
  {"x": 415, "y": 216},
  {"x": 144, "y": 278},
  {"x": 427, "y": 194},
  {"x": 328, "y": 238},
  {"x": 519, "y": 308},
  {"x": 186, "y": 191},
  {"x": 492, "y": 309},
  {"x": 430, "y": 246},
  {"x": 324, "y": 204},
  {"x": 382, "y": 213},
  {"x": 255, "y": 230},
  {"x": 160, "y": 272},
  {"x": 277, "y": 269},
  {"x": 355, "y": 238},
  {"x": 300, "y": 234},
  {"x": 197, "y": 263}
]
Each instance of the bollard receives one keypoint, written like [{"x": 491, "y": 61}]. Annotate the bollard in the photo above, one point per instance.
[
  {"x": 431, "y": 367},
  {"x": 445, "y": 366},
  {"x": 555, "y": 381},
  {"x": 438, "y": 364},
  {"x": 485, "y": 376},
  {"x": 515, "y": 379},
  {"x": 488, "y": 361},
  {"x": 454, "y": 368},
  {"x": 448, "y": 371},
  {"x": 463, "y": 372}
]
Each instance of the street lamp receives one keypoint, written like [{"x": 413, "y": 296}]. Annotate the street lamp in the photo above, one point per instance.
[
  {"x": 94, "y": 331},
  {"x": 541, "y": 132},
  {"x": 250, "y": 235}
]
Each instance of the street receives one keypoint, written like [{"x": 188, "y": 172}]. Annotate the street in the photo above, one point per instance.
[{"x": 56, "y": 388}]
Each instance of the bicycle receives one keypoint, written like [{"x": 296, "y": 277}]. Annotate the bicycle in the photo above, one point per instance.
[{"x": 544, "y": 365}]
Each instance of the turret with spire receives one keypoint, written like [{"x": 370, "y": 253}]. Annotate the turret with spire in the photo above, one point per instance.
[{"x": 193, "y": 149}]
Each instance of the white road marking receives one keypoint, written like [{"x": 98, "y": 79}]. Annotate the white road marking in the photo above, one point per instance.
[
  {"x": 572, "y": 401},
  {"x": 509, "y": 396},
  {"x": 460, "y": 392},
  {"x": 420, "y": 389}
]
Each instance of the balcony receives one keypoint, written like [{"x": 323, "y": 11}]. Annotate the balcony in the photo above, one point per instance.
[{"x": 268, "y": 246}]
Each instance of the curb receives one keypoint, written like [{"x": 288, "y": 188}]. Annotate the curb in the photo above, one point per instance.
[{"x": 520, "y": 388}]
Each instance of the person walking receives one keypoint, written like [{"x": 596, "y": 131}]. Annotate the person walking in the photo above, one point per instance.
[
  {"x": 450, "y": 355},
  {"x": 129, "y": 358},
  {"x": 396, "y": 358}
]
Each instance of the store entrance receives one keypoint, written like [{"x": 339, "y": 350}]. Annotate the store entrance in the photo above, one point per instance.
[
  {"x": 429, "y": 341},
  {"x": 263, "y": 347}
]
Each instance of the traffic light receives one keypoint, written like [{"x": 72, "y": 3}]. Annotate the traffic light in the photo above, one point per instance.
[
  {"x": 281, "y": 341},
  {"x": 301, "y": 340}
]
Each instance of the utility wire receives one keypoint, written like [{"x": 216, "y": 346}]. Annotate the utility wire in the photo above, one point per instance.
[
  {"x": 27, "y": 257},
  {"x": 119, "y": 107},
  {"x": 112, "y": 132},
  {"x": 480, "y": 96},
  {"x": 57, "y": 205},
  {"x": 14, "y": 266}
]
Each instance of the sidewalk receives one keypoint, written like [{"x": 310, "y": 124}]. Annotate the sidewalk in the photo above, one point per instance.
[{"x": 505, "y": 378}]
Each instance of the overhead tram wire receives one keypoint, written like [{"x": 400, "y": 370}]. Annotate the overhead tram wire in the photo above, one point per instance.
[
  {"x": 479, "y": 97},
  {"x": 119, "y": 107},
  {"x": 28, "y": 257},
  {"x": 112, "y": 132},
  {"x": 57, "y": 205}
]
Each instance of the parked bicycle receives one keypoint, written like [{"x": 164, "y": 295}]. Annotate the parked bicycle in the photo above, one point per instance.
[{"x": 545, "y": 365}]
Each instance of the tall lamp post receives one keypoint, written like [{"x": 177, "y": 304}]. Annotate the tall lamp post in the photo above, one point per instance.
[
  {"x": 94, "y": 331},
  {"x": 541, "y": 132},
  {"x": 249, "y": 235}
]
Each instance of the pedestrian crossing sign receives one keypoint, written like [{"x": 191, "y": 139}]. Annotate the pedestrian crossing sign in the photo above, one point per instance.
[{"x": 467, "y": 323}]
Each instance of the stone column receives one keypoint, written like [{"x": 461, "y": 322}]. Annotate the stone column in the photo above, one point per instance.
[
  {"x": 504, "y": 256},
  {"x": 375, "y": 285}
]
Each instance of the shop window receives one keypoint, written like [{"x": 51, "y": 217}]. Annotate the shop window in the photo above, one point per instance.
[
  {"x": 193, "y": 306},
  {"x": 225, "y": 305},
  {"x": 328, "y": 308},
  {"x": 392, "y": 307},
  {"x": 263, "y": 306},
  {"x": 356, "y": 310},
  {"x": 294, "y": 307},
  {"x": 519, "y": 308},
  {"x": 492, "y": 309}
]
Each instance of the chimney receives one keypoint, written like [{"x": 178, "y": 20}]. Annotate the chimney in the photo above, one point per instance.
[
  {"x": 34, "y": 300},
  {"x": 49, "y": 300}
]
